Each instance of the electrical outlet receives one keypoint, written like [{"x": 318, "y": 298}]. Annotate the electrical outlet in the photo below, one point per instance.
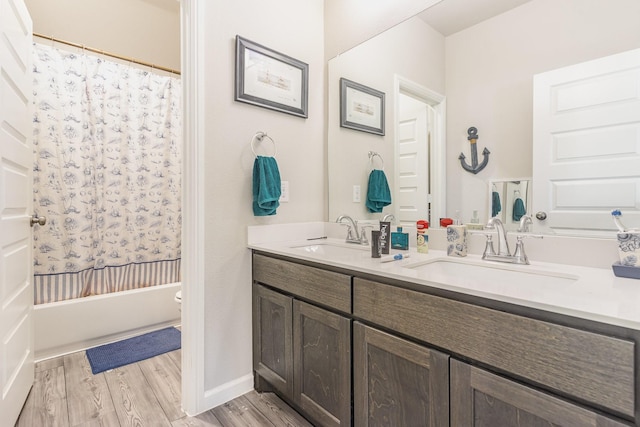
[
  {"x": 356, "y": 194},
  {"x": 284, "y": 191}
]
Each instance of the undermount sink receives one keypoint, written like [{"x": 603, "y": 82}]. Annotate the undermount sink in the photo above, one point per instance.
[
  {"x": 479, "y": 274},
  {"x": 335, "y": 250}
]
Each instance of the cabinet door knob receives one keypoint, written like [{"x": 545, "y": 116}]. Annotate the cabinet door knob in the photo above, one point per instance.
[{"x": 40, "y": 220}]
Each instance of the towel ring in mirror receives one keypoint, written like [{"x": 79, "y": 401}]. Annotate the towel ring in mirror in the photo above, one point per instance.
[
  {"x": 373, "y": 154},
  {"x": 260, "y": 136}
]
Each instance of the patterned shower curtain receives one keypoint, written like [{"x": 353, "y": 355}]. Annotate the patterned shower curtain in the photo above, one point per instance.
[{"x": 107, "y": 145}]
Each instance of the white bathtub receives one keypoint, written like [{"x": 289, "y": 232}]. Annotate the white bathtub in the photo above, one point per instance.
[{"x": 68, "y": 326}]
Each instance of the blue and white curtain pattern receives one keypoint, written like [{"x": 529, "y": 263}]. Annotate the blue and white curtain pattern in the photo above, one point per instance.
[{"x": 107, "y": 145}]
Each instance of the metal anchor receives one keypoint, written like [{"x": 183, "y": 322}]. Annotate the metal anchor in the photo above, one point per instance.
[{"x": 475, "y": 167}]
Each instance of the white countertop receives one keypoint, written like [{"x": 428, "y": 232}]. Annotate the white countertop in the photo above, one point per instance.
[{"x": 583, "y": 292}]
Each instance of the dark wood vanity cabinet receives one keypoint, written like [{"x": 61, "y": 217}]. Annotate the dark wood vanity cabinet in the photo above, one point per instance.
[
  {"x": 482, "y": 399},
  {"x": 397, "y": 382},
  {"x": 301, "y": 350},
  {"x": 272, "y": 338},
  {"x": 584, "y": 366},
  {"x": 492, "y": 367},
  {"x": 322, "y": 364}
]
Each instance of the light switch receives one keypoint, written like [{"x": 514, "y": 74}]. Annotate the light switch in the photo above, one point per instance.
[
  {"x": 356, "y": 194},
  {"x": 284, "y": 191}
]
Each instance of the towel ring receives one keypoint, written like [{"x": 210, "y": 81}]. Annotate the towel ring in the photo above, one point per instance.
[
  {"x": 260, "y": 136},
  {"x": 373, "y": 154}
]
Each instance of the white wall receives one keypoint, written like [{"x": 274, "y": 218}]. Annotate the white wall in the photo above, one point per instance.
[
  {"x": 294, "y": 28},
  {"x": 148, "y": 30},
  {"x": 490, "y": 69},
  {"x": 350, "y": 22},
  {"x": 374, "y": 64}
]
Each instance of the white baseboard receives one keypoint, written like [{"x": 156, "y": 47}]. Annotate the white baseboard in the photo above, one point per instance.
[{"x": 228, "y": 391}]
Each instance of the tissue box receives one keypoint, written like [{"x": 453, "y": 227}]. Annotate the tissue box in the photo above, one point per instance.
[{"x": 629, "y": 248}]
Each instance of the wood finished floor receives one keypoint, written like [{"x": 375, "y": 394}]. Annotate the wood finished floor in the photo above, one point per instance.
[{"x": 66, "y": 393}]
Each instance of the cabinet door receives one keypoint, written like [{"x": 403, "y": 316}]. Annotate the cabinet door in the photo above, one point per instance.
[
  {"x": 397, "y": 382},
  {"x": 272, "y": 353},
  {"x": 322, "y": 364},
  {"x": 480, "y": 398}
]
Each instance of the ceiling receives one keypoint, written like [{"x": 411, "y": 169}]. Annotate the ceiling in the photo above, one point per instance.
[{"x": 450, "y": 16}]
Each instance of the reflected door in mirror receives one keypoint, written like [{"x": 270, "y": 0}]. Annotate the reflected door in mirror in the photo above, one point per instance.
[{"x": 586, "y": 160}]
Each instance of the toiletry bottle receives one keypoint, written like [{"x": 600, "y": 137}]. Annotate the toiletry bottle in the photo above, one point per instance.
[
  {"x": 474, "y": 218},
  {"x": 375, "y": 244},
  {"x": 400, "y": 240},
  {"x": 385, "y": 236},
  {"x": 474, "y": 222},
  {"x": 422, "y": 242}
]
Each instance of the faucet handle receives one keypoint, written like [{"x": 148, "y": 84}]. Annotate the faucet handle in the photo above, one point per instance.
[
  {"x": 349, "y": 230},
  {"x": 488, "y": 249},
  {"x": 363, "y": 234},
  {"x": 520, "y": 257},
  {"x": 520, "y": 236}
]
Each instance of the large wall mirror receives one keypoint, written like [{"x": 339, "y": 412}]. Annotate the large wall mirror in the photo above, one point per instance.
[{"x": 452, "y": 72}]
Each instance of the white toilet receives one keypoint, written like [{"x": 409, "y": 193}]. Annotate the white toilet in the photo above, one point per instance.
[{"x": 178, "y": 299}]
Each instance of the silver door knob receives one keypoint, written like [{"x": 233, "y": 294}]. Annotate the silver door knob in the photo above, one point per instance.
[
  {"x": 40, "y": 220},
  {"x": 541, "y": 215}
]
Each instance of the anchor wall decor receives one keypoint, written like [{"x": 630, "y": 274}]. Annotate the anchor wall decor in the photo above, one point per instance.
[{"x": 475, "y": 167}]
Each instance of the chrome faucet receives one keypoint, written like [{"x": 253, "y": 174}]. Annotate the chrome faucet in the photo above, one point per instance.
[
  {"x": 504, "y": 255},
  {"x": 503, "y": 245},
  {"x": 353, "y": 235},
  {"x": 525, "y": 224},
  {"x": 388, "y": 218}
]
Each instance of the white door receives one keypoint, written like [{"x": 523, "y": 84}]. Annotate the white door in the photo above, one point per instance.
[
  {"x": 412, "y": 161},
  {"x": 586, "y": 139},
  {"x": 16, "y": 293}
]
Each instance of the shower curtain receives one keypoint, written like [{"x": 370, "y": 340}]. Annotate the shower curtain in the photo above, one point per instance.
[{"x": 107, "y": 145}]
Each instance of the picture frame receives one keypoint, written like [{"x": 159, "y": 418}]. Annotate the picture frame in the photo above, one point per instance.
[
  {"x": 270, "y": 79},
  {"x": 361, "y": 107}
]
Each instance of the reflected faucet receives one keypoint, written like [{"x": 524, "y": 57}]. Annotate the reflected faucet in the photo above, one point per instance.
[
  {"x": 388, "y": 218},
  {"x": 525, "y": 224}
]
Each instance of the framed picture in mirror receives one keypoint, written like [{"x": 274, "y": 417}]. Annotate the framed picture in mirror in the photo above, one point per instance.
[
  {"x": 270, "y": 79},
  {"x": 361, "y": 107}
]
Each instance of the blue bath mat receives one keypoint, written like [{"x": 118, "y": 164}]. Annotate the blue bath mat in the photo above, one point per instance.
[{"x": 114, "y": 355}]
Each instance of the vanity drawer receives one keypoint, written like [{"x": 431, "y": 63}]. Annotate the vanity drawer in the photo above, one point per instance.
[
  {"x": 589, "y": 366},
  {"x": 326, "y": 288}
]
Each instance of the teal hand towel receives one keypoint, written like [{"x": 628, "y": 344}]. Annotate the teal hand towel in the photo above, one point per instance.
[
  {"x": 378, "y": 194},
  {"x": 266, "y": 186},
  {"x": 518, "y": 209},
  {"x": 496, "y": 206}
]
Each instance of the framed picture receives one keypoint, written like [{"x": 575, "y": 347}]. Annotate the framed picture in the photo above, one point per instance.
[
  {"x": 270, "y": 79},
  {"x": 361, "y": 107}
]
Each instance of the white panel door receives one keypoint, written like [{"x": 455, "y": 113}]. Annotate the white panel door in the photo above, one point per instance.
[
  {"x": 412, "y": 163},
  {"x": 16, "y": 194},
  {"x": 586, "y": 139}
]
